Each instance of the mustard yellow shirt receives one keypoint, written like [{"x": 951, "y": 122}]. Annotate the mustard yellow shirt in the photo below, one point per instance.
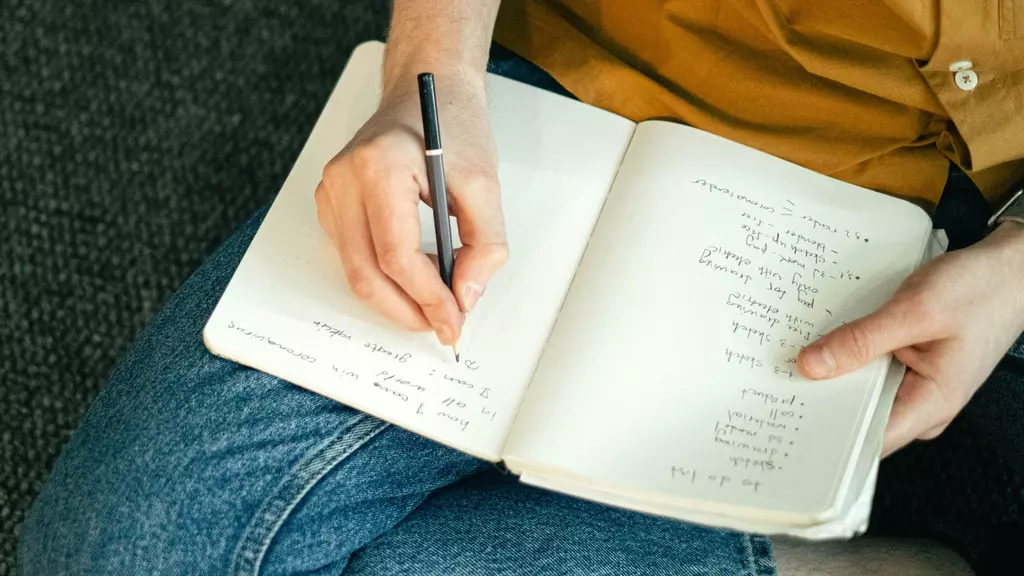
[{"x": 861, "y": 90}]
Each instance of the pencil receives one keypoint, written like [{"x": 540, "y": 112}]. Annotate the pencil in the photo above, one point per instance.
[{"x": 435, "y": 179}]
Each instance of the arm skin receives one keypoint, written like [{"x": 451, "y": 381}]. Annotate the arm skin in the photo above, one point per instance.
[{"x": 369, "y": 197}]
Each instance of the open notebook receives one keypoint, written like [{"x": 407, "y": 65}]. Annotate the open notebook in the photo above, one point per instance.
[{"x": 638, "y": 349}]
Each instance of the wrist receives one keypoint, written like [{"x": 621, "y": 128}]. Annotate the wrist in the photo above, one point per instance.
[
  {"x": 1005, "y": 246},
  {"x": 1006, "y": 243},
  {"x": 451, "y": 73},
  {"x": 449, "y": 38},
  {"x": 1008, "y": 238}
]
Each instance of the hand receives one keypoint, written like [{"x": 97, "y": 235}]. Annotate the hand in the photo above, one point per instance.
[
  {"x": 950, "y": 322},
  {"x": 369, "y": 197}
]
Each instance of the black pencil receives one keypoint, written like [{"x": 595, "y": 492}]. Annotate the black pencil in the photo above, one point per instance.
[{"x": 435, "y": 179}]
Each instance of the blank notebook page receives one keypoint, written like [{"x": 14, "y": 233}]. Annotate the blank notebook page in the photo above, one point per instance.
[
  {"x": 288, "y": 310},
  {"x": 671, "y": 369}
]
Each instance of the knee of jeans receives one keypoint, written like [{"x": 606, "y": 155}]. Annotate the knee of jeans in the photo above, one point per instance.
[
  {"x": 52, "y": 540},
  {"x": 32, "y": 547},
  {"x": 84, "y": 521},
  {"x": 93, "y": 523},
  {"x": 104, "y": 509}
]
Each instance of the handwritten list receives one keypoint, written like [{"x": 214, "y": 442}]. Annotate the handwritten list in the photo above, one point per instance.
[
  {"x": 710, "y": 269},
  {"x": 785, "y": 265}
]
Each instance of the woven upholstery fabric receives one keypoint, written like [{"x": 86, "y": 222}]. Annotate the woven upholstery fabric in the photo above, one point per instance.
[{"x": 134, "y": 136}]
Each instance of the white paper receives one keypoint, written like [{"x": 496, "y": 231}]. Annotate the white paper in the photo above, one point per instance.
[
  {"x": 288, "y": 311},
  {"x": 670, "y": 371}
]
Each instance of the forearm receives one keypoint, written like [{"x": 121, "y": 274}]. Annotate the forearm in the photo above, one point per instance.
[
  {"x": 446, "y": 37},
  {"x": 1008, "y": 239}
]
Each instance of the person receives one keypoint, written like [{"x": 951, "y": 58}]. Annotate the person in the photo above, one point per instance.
[{"x": 191, "y": 464}]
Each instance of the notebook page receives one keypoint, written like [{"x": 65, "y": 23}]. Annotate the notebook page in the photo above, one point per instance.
[
  {"x": 851, "y": 519},
  {"x": 853, "y": 515},
  {"x": 671, "y": 368},
  {"x": 288, "y": 311}
]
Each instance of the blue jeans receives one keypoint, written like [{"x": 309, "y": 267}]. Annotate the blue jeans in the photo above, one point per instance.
[{"x": 191, "y": 464}]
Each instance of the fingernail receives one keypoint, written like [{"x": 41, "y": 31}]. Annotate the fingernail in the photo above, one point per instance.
[
  {"x": 818, "y": 361},
  {"x": 444, "y": 334},
  {"x": 471, "y": 295}
]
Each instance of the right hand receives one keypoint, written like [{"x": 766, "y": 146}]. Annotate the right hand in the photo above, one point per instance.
[{"x": 369, "y": 198}]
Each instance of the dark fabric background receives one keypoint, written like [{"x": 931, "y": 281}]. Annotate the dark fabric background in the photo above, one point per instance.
[{"x": 134, "y": 136}]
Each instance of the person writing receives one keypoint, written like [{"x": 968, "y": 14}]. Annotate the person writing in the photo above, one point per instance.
[
  {"x": 902, "y": 97},
  {"x": 949, "y": 331}
]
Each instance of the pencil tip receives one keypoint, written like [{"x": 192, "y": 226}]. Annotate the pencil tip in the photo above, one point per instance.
[{"x": 455, "y": 348}]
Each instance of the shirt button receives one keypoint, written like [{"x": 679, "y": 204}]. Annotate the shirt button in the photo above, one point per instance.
[{"x": 966, "y": 80}]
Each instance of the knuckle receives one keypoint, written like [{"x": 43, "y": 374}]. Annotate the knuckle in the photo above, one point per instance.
[
  {"x": 332, "y": 173},
  {"x": 497, "y": 254},
  {"x": 392, "y": 261},
  {"x": 361, "y": 281},
  {"x": 366, "y": 157},
  {"x": 432, "y": 305},
  {"x": 860, "y": 343},
  {"x": 922, "y": 311},
  {"x": 320, "y": 195},
  {"x": 480, "y": 182},
  {"x": 326, "y": 220},
  {"x": 322, "y": 199}
]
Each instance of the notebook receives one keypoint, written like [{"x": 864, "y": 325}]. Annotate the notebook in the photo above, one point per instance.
[{"x": 639, "y": 347}]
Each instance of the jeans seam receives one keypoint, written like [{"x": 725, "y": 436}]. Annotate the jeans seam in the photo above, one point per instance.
[
  {"x": 253, "y": 546},
  {"x": 748, "y": 548}
]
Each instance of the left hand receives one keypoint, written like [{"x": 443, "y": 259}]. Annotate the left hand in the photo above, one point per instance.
[{"x": 950, "y": 322}]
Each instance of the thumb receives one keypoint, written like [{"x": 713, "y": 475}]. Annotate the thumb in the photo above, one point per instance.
[
  {"x": 484, "y": 245},
  {"x": 854, "y": 345}
]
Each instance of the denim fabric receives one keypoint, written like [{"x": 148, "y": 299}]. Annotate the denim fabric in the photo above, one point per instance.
[{"x": 191, "y": 464}]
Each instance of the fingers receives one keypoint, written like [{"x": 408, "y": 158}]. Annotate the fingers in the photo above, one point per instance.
[
  {"x": 368, "y": 203},
  {"x": 351, "y": 233},
  {"x": 392, "y": 209},
  {"x": 897, "y": 325},
  {"x": 482, "y": 232},
  {"x": 921, "y": 411}
]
